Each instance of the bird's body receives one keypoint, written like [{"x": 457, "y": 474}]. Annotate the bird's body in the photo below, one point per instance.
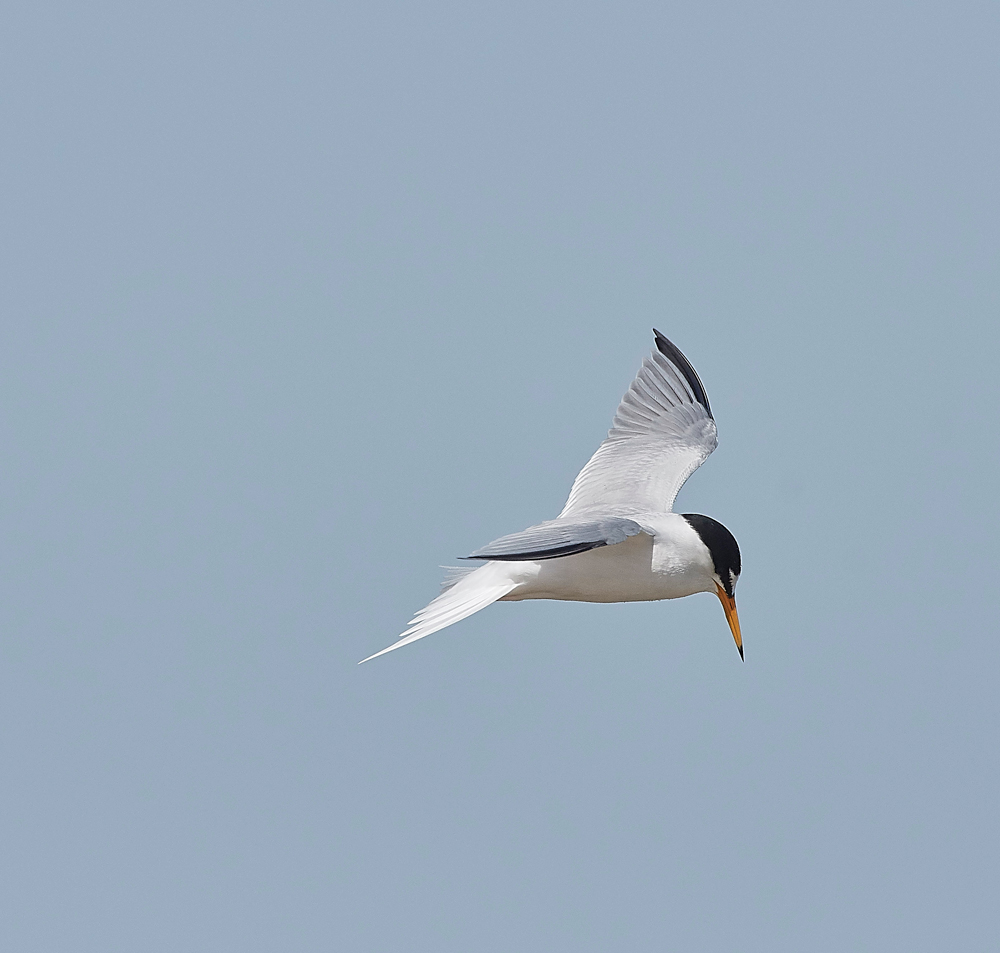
[
  {"x": 665, "y": 561},
  {"x": 616, "y": 539}
]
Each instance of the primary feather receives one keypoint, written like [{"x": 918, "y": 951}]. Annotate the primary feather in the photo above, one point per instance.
[
  {"x": 559, "y": 537},
  {"x": 662, "y": 432}
]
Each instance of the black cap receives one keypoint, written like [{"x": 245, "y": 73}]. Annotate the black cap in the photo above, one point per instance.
[{"x": 722, "y": 545}]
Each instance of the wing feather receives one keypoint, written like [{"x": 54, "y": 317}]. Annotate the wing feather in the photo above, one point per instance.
[
  {"x": 662, "y": 432},
  {"x": 558, "y": 537}
]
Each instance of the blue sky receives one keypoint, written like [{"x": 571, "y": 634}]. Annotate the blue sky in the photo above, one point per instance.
[{"x": 302, "y": 301}]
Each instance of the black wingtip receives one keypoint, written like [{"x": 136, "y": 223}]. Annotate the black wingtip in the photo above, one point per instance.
[
  {"x": 673, "y": 353},
  {"x": 556, "y": 552}
]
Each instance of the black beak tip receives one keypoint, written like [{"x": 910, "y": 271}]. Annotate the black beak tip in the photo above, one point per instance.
[{"x": 740, "y": 647}]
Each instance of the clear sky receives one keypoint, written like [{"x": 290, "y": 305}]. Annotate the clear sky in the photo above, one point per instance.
[{"x": 303, "y": 300}]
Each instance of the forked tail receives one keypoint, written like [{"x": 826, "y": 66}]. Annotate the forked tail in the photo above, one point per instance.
[{"x": 470, "y": 593}]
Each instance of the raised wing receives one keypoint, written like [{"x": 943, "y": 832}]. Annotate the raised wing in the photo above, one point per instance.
[
  {"x": 663, "y": 431},
  {"x": 558, "y": 538}
]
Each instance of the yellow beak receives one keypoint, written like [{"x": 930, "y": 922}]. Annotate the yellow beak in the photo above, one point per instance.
[{"x": 729, "y": 605}]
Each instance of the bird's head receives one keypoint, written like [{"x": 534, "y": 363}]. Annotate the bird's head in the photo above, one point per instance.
[{"x": 725, "y": 553}]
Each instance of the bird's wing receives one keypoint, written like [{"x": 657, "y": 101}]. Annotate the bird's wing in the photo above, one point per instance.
[
  {"x": 558, "y": 538},
  {"x": 663, "y": 431}
]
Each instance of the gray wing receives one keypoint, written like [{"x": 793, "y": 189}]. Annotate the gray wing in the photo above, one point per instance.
[
  {"x": 663, "y": 431},
  {"x": 558, "y": 538}
]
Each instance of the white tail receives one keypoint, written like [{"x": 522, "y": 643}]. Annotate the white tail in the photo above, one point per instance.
[{"x": 468, "y": 594}]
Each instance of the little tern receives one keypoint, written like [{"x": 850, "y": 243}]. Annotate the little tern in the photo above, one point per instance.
[{"x": 616, "y": 539}]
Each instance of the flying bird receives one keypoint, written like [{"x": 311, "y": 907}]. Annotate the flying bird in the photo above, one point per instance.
[{"x": 616, "y": 539}]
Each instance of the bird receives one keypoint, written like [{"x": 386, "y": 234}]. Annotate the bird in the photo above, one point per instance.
[{"x": 617, "y": 538}]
